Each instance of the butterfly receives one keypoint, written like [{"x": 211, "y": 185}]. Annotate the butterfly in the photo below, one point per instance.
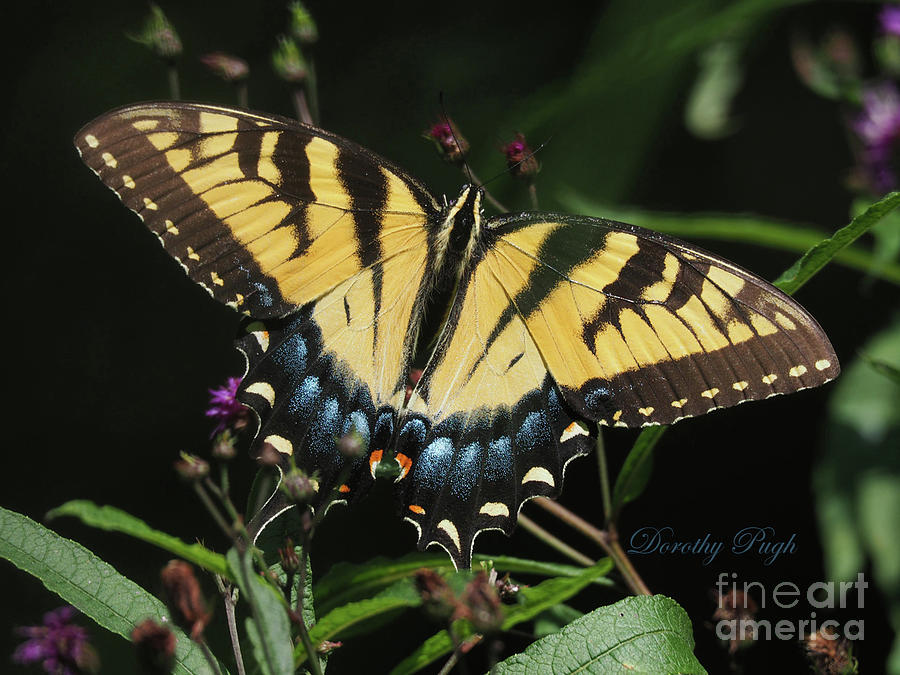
[{"x": 555, "y": 323}]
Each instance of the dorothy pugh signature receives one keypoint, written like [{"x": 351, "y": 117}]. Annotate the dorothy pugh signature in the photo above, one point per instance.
[{"x": 752, "y": 540}]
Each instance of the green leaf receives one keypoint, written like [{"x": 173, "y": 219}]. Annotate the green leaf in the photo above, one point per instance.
[
  {"x": 822, "y": 253},
  {"x": 643, "y": 634},
  {"x": 268, "y": 628},
  {"x": 349, "y": 582},
  {"x": 533, "y": 601},
  {"x": 115, "y": 520},
  {"x": 400, "y": 595},
  {"x": 635, "y": 472},
  {"x": 737, "y": 228},
  {"x": 554, "y": 618},
  {"x": 857, "y": 481},
  {"x": 92, "y": 586}
]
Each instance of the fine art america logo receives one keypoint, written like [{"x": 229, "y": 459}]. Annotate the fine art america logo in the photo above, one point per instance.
[
  {"x": 736, "y": 610},
  {"x": 759, "y": 541}
]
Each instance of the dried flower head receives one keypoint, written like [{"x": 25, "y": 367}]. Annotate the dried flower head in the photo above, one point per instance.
[
  {"x": 159, "y": 35},
  {"x": 287, "y": 555},
  {"x": 737, "y": 606},
  {"x": 225, "y": 408},
  {"x": 829, "y": 653},
  {"x": 302, "y": 27},
  {"x": 450, "y": 144},
  {"x": 229, "y": 68},
  {"x": 288, "y": 61},
  {"x": 438, "y": 598},
  {"x": 60, "y": 646},
  {"x": 154, "y": 644},
  {"x": 520, "y": 159},
  {"x": 480, "y": 604},
  {"x": 184, "y": 598}
]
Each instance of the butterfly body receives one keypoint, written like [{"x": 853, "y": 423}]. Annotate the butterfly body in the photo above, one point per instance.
[{"x": 555, "y": 322}]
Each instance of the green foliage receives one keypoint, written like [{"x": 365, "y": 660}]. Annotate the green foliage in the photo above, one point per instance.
[
  {"x": 89, "y": 584},
  {"x": 268, "y": 627},
  {"x": 643, "y": 634},
  {"x": 857, "y": 481},
  {"x": 533, "y": 601},
  {"x": 111, "y": 519}
]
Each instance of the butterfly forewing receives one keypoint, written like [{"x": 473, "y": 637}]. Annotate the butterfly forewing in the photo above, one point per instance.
[{"x": 279, "y": 219}]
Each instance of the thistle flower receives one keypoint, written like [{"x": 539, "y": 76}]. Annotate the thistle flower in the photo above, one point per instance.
[
  {"x": 450, "y": 144},
  {"x": 878, "y": 128},
  {"x": 520, "y": 159},
  {"x": 60, "y": 646},
  {"x": 225, "y": 408},
  {"x": 191, "y": 468},
  {"x": 829, "y": 653}
]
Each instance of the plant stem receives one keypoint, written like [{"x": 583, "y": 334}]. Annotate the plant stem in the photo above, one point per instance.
[
  {"x": 228, "y": 599},
  {"x": 301, "y": 107},
  {"x": 174, "y": 83},
  {"x": 607, "y": 539},
  {"x": 213, "y": 510},
  {"x": 532, "y": 193},
  {"x": 210, "y": 659},
  {"x": 553, "y": 541},
  {"x": 605, "y": 492}
]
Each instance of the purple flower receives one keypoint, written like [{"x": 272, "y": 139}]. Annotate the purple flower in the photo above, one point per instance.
[
  {"x": 225, "y": 408},
  {"x": 878, "y": 129},
  {"x": 890, "y": 19},
  {"x": 60, "y": 646}
]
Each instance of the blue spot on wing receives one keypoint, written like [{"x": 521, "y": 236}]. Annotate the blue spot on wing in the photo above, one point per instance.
[
  {"x": 326, "y": 432},
  {"x": 499, "y": 465},
  {"x": 434, "y": 463},
  {"x": 533, "y": 433},
  {"x": 291, "y": 354},
  {"x": 465, "y": 472},
  {"x": 358, "y": 422},
  {"x": 303, "y": 400}
]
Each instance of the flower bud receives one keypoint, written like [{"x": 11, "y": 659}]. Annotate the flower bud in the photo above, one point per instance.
[
  {"x": 223, "y": 447},
  {"x": 299, "y": 487},
  {"x": 302, "y": 27},
  {"x": 351, "y": 445},
  {"x": 229, "y": 68},
  {"x": 191, "y": 468},
  {"x": 288, "y": 62},
  {"x": 290, "y": 561},
  {"x": 159, "y": 35}
]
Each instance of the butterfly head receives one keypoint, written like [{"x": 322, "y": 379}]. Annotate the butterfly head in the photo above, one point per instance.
[{"x": 462, "y": 221}]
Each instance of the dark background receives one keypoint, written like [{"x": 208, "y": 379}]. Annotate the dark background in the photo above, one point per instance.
[{"x": 111, "y": 349}]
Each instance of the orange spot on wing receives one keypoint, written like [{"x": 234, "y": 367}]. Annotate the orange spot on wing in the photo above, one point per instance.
[
  {"x": 405, "y": 464},
  {"x": 374, "y": 460},
  {"x": 344, "y": 488},
  {"x": 415, "y": 508}
]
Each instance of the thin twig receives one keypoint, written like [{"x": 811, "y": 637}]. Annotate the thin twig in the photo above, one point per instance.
[
  {"x": 174, "y": 83},
  {"x": 607, "y": 539},
  {"x": 226, "y": 591},
  {"x": 554, "y": 542},
  {"x": 301, "y": 107},
  {"x": 605, "y": 493}
]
